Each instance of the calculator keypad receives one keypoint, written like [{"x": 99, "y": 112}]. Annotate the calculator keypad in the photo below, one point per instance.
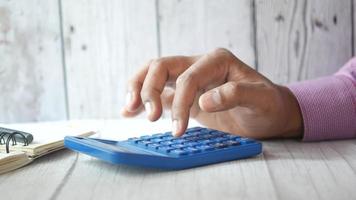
[{"x": 195, "y": 140}]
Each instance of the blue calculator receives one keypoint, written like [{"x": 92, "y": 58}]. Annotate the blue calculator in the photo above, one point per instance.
[{"x": 197, "y": 147}]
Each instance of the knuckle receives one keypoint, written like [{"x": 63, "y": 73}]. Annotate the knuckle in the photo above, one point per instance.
[
  {"x": 133, "y": 84},
  {"x": 179, "y": 108},
  {"x": 223, "y": 56},
  {"x": 222, "y": 52},
  {"x": 223, "y": 97},
  {"x": 234, "y": 89},
  {"x": 146, "y": 94},
  {"x": 148, "y": 63},
  {"x": 157, "y": 63},
  {"x": 176, "y": 111},
  {"x": 149, "y": 92},
  {"x": 186, "y": 79},
  {"x": 176, "y": 107}
]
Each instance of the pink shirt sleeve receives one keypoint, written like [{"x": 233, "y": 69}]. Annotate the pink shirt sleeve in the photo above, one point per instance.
[{"x": 328, "y": 105}]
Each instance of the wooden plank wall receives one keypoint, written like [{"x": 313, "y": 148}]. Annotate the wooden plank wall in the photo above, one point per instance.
[
  {"x": 31, "y": 72},
  {"x": 63, "y": 59},
  {"x": 299, "y": 40},
  {"x": 194, "y": 27},
  {"x": 104, "y": 44}
]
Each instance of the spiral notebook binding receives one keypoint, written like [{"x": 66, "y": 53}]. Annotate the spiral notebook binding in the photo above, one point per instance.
[{"x": 11, "y": 137}]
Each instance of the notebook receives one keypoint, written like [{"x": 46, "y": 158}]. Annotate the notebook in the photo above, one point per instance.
[{"x": 47, "y": 137}]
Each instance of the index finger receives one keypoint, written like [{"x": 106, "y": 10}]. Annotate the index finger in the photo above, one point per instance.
[
  {"x": 159, "y": 73},
  {"x": 211, "y": 69}
]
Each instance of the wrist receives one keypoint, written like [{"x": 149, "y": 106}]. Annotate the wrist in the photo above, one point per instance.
[{"x": 294, "y": 125}]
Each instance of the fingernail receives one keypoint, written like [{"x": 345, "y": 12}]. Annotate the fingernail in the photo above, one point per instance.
[
  {"x": 215, "y": 96},
  {"x": 175, "y": 127},
  {"x": 148, "y": 108}
]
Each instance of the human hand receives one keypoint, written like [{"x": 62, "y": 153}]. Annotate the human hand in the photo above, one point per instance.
[{"x": 219, "y": 91}]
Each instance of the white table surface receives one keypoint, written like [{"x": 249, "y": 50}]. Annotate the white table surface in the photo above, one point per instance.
[{"x": 287, "y": 169}]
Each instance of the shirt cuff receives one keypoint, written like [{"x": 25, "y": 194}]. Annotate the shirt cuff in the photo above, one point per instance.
[{"x": 328, "y": 107}]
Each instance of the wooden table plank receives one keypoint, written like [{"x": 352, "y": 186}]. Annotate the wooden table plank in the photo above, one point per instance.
[
  {"x": 287, "y": 169},
  {"x": 311, "y": 170},
  {"x": 40, "y": 179}
]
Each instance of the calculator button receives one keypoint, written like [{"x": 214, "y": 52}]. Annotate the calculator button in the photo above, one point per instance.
[
  {"x": 191, "y": 138},
  {"x": 190, "y": 144},
  {"x": 145, "y": 137},
  {"x": 200, "y": 135},
  {"x": 217, "y": 133},
  {"x": 178, "y": 145},
  {"x": 232, "y": 143},
  {"x": 165, "y": 149},
  {"x": 167, "y": 142},
  {"x": 219, "y": 145},
  {"x": 219, "y": 139},
  {"x": 206, "y": 130},
  {"x": 144, "y": 142},
  {"x": 177, "y": 141},
  {"x": 205, "y": 136},
  {"x": 193, "y": 133},
  {"x": 156, "y": 140},
  {"x": 194, "y": 129},
  {"x": 204, "y": 141},
  {"x": 167, "y": 137},
  {"x": 133, "y": 140},
  {"x": 178, "y": 152},
  {"x": 204, "y": 147},
  {"x": 246, "y": 141},
  {"x": 153, "y": 145},
  {"x": 185, "y": 136},
  {"x": 191, "y": 150},
  {"x": 213, "y": 132},
  {"x": 229, "y": 136}
]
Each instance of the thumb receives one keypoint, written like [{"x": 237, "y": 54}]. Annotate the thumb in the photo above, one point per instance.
[{"x": 232, "y": 94}]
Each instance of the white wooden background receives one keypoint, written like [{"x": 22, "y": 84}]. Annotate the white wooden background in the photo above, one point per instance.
[{"x": 63, "y": 59}]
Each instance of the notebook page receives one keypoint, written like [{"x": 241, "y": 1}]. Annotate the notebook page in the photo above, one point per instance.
[
  {"x": 47, "y": 132},
  {"x": 13, "y": 160},
  {"x": 48, "y": 136}
]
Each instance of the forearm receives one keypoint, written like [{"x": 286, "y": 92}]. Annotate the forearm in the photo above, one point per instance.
[{"x": 328, "y": 105}]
